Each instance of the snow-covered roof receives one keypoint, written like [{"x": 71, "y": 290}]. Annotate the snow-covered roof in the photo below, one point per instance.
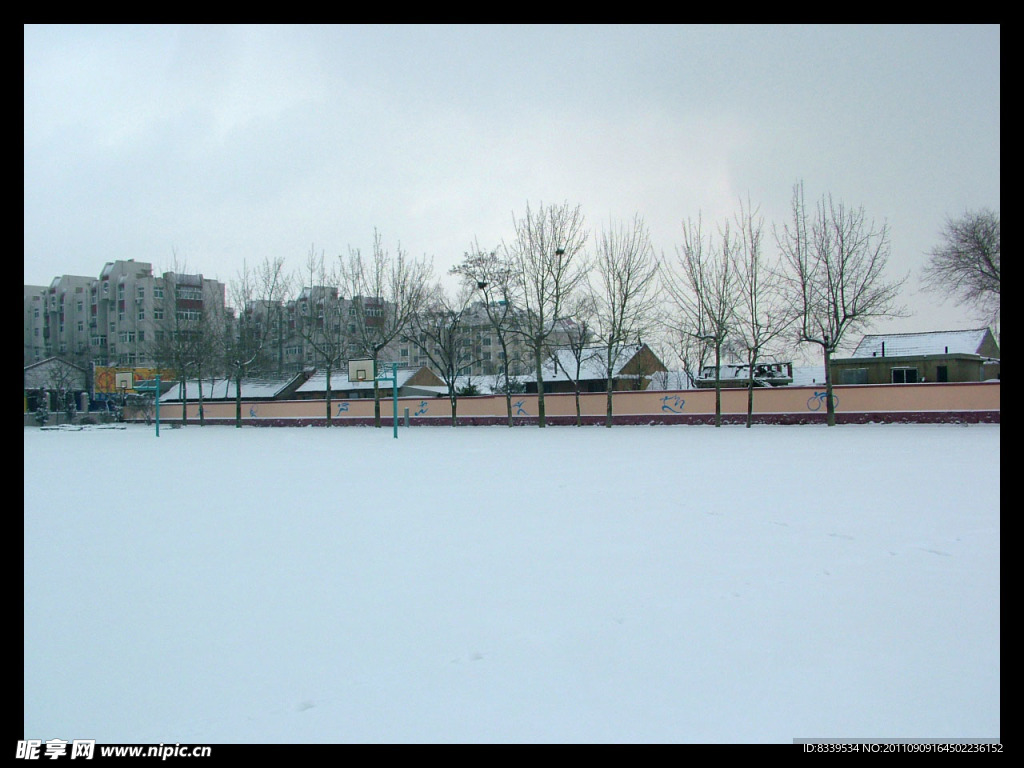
[
  {"x": 592, "y": 364},
  {"x": 340, "y": 381},
  {"x": 224, "y": 389},
  {"x": 929, "y": 343},
  {"x": 50, "y": 361}
]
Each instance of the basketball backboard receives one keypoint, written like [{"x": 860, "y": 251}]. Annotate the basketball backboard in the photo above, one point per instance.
[{"x": 360, "y": 370}]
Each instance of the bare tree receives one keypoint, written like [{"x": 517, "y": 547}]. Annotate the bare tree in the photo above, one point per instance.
[
  {"x": 965, "y": 266},
  {"x": 704, "y": 292},
  {"x": 491, "y": 274},
  {"x": 386, "y": 292},
  {"x": 440, "y": 332},
  {"x": 692, "y": 352},
  {"x": 258, "y": 294},
  {"x": 319, "y": 322},
  {"x": 836, "y": 281},
  {"x": 625, "y": 294},
  {"x": 547, "y": 265},
  {"x": 762, "y": 314},
  {"x": 578, "y": 351},
  {"x": 188, "y": 334},
  {"x": 207, "y": 345}
]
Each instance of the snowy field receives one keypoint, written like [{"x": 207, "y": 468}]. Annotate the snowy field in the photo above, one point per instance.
[{"x": 638, "y": 584}]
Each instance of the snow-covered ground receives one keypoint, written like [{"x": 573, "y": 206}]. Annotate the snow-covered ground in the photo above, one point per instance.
[{"x": 638, "y": 584}]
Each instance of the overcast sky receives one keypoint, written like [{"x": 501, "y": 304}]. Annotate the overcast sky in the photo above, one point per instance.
[{"x": 229, "y": 143}]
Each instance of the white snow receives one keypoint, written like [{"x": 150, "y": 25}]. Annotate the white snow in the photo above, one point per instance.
[{"x": 639, "y": 584}]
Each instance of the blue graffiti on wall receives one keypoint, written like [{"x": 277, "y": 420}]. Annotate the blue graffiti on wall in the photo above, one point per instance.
[
  {"x": 816, "y": 400},
  {"x": 520, "y": 410},
  {"x": 672, "y": 403},
  {"x": 252, "y": 411},
  {"x": 342, "y": 408},
  {"x": 424, "y": 406}
]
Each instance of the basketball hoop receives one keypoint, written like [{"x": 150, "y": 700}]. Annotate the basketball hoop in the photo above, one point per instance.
[{"x": 360, "y": 370}]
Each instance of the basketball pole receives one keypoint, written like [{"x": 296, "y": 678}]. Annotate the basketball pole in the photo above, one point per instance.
[{"x": 394, "y": 393}]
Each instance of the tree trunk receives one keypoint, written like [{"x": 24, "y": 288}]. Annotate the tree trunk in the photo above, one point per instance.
[
  {"x": 610, "y": 384},
  {"x": 238, "y": 400},
  {"x": 327, "y": 395},
  {"x": 751, "y": 360},
  {"x": 829, "y": 402},
  {"x": 376, "y": 395},
  {"x": 540, "y": 393},
  {"x": 202, "y": 416},
  {"x": 718, "y": 385},
  {"x": 183, "y": 389}
]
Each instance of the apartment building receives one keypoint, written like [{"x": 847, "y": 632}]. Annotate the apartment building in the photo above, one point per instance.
[
  {"x": 121, "y": 318},
  {"x": 114, "y": 319}
]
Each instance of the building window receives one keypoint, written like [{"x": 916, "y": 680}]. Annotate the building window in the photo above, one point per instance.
[
  {"x": 142, "y": 314},
  {"x": 188, "y": 293},
  {"x": 158, "y": 292},
  {"x": 854, "y": 376},
  {"x": 158, "y": 314},
  {"x": 904, "y": 375},
  {"x": 942, "y": 373}
]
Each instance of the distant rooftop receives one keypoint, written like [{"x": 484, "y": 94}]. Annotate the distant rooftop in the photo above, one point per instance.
[{"x": 928, "y": 343}]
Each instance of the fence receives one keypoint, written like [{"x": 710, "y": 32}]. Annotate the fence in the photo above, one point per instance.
[{"x": 912, "y": 403}]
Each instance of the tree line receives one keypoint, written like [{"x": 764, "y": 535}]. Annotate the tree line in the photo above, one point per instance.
[{"x": 596, "y": 294}]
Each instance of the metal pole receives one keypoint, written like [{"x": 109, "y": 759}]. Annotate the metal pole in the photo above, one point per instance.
[{"x": 156, "y": 397}]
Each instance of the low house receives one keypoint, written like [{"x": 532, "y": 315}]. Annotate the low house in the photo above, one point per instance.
[
  {"x": 412, "y": 382},
  {"x": 562, "y": 373},
  {"x": 55, "y": 383},
  {"x": 910, "y": 358}
]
